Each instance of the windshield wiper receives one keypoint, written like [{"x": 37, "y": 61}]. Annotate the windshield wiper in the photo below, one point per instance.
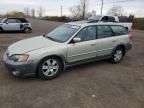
[
  {"x": 51, "y": 38},
  {"x": 48, "y": 37}
]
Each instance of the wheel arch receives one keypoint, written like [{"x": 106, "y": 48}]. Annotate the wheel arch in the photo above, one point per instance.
[
  {"x": 28, "y": 27},
  {"x": 61, "y": 58},
  {"x": 121, "y": 46}
]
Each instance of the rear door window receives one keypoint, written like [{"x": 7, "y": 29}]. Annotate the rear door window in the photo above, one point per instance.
[
  {"x": 119, "y": 30},
  {"x": 104, "y": 31}
]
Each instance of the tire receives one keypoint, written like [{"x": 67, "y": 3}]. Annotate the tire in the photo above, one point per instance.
[
  {"x": 1, "y": 30},
  {"x": 27, "y": 30},
  {"x": 49, "y": 68},
  {"x": 117, "y": 55}
]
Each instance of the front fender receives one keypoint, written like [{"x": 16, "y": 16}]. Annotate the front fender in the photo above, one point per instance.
[{"x": 37, "y": 55}]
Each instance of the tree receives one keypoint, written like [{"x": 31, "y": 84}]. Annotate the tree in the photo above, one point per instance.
[
  {"x": 93, "y": 13},
  {"x": 33, "y": 13},
  {"x": 15, "y": 14},
  {"x": 27, "y": 12},
  {"x": 131, "y": 17},
  {"x": 89, "y": 14},
  {"x": 84, "y": 6},
  {"x": 116, "y": 10},
  {"x": 79, "y": 11},
  {"x": 76, "y": 12}
]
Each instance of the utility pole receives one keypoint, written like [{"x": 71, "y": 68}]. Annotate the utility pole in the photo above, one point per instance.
[
  {"x": 44, "y": 12},
  {"x": 102, "y": 8},
  {"x": 61, "y": 10},
  {"x": 84, "y": 6}
]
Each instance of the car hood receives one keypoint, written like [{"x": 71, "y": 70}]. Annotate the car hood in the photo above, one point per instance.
[{"x": 31, "y": 44}]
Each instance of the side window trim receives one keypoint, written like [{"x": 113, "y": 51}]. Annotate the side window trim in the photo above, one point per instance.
[
  {"x": 96, "y": 37},
  {"x": 6, "y": 20},
  {"x": 97, "y": 32},
  {"x": 109, "y": 26},
  {"x": 18, "y": 21},
  {"x": 112, "y": 31},
  {"x": 115, "y": 32},
  {"x": 10, "y": 19}
]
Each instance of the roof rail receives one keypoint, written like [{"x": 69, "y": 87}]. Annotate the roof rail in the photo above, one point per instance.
[{"x": 94, "y": 21}]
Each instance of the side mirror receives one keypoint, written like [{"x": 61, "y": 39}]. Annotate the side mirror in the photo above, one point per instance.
[
  {"x": 76, "y": 40},
  {"x": 6, "y": 22}
]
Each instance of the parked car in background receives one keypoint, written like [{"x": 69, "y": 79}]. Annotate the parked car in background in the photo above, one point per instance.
[
  {"x": 128, "y": 26},
  {"x": 15, "y": 24},
  {"x": 70, "y": 44}
]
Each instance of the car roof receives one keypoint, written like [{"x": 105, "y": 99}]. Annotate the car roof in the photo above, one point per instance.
[
  {"x": 16, "y": 18},
  {"x": 86, "y": 23}
]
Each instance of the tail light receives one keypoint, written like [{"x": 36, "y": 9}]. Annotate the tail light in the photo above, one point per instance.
[{"x": 130, "y": 36}]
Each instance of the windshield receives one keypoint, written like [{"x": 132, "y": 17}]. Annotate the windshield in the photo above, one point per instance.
[
  {"x": 63, "y": 33},
  {"x": 2, "y": 21},
  {"x": 97, "y": 18}
]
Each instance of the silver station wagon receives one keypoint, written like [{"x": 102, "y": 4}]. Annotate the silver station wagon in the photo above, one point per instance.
[{"x": 70, "y": 44}]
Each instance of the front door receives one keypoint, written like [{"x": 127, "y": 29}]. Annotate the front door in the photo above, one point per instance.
[
  {"x": 84, "y": 49},
  {"x": 11, "y": 25}
]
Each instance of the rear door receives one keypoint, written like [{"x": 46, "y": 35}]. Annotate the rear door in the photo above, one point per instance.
[
  {"x": 84, "y": 49},
  {"x": 106, "y": 40}
]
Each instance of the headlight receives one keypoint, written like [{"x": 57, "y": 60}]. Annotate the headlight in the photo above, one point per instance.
[{"x": 19, "y": 57}]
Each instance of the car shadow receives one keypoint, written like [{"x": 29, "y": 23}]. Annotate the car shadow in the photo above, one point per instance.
[
  {"x": 65, "y": 72},
  {"x": 85, "y": 66},
  {"x": 9, "y": 32}
]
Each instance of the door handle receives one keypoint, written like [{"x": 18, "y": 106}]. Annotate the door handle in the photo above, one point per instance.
[{"x": 93, "y": 44}]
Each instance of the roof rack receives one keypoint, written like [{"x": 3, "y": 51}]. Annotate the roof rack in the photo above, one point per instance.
[{"x": 92, "y": 21}]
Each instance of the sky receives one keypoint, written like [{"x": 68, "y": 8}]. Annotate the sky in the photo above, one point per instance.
[{"x": 53, "y": 7}]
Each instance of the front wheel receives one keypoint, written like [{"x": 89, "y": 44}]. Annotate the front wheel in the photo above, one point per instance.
[
  {"x": 27, "y": 30},
  {"x": 117, "y": 55},
  {"x": 49, "y": 68}
]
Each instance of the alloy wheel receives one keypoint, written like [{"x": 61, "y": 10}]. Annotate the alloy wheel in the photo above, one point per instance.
[
  {"x": 50, "y": 67},
  {"x": 118, "y": 55}
]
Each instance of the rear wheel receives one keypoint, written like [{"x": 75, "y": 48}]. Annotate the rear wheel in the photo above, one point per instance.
[
  {"x": 49, "y": 68},
  {"x": 117, "y": 55},
  {"x": 27, "y": 30}
]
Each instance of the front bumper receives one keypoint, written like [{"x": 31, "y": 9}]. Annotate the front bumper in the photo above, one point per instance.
[{"x": 20, "y": 69}]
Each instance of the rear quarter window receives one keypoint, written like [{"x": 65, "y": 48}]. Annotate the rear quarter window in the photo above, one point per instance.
[
  {"x": 119, "y": 30},
  {"x": 23, "y": 20}
]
